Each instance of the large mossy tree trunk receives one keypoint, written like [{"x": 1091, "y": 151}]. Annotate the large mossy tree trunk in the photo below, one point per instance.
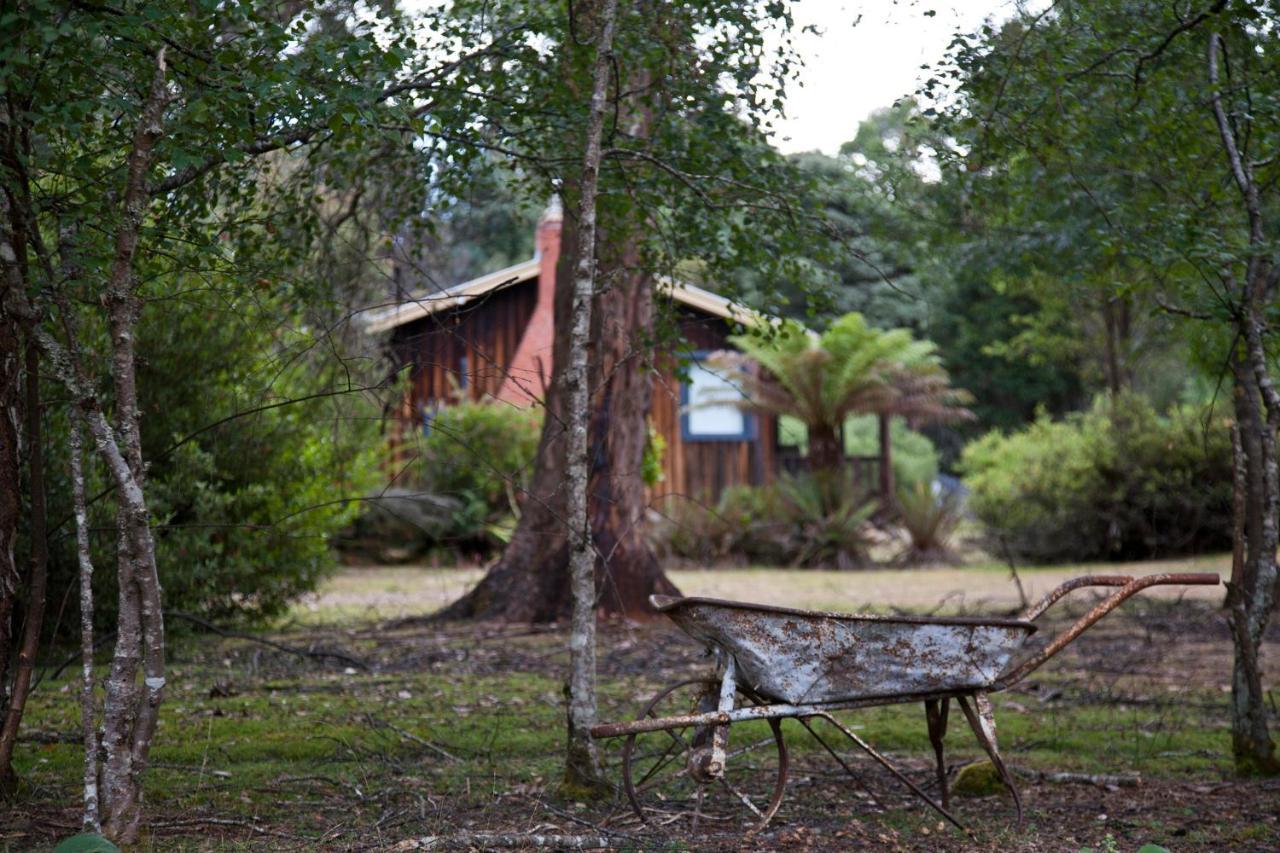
[{"x": 530, "y": 582}]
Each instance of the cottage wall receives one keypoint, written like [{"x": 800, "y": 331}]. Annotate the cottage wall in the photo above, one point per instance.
[{"x": 702, "y": 470}]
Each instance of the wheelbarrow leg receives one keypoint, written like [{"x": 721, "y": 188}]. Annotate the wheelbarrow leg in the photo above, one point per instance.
[
  {"x": 885, "y": 763},
  {"x": 847, "y": 769},
  {"x": 935, "y": 712},
  {"x": 983, "y": 723}
]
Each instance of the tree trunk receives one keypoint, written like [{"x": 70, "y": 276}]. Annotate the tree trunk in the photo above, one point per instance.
[
  {"x": 886, "y": 462},
  {"x": 825, "y": 453},
  {"x": 12, "y": 286},
  {"x": 88, "y": 710},
  {"x": 1251, "y": 593},
  {"x": 37, "y": 574},
  {"x": 1253, "y": 590},
  {"x": 582, "y": 774},
  {"x": 530, "y": 582},
  {"x": 10, "y": 486}
]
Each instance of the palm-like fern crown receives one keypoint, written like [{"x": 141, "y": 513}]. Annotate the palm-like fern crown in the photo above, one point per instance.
[{"x": 851, "y": 368}]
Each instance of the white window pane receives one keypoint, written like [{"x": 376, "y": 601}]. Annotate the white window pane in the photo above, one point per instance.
[{"x": 711, "y": 404}]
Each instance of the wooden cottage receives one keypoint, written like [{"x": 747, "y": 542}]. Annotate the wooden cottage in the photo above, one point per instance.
[{"x": 491, "y": 338}]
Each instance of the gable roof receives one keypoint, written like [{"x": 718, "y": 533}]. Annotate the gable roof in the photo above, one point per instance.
[{"x": 426, "y": 303}]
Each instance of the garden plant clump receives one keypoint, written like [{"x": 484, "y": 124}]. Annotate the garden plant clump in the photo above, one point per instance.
[
  {"x": 464, "y": 476},
  {"x": 804, "y": 521}
]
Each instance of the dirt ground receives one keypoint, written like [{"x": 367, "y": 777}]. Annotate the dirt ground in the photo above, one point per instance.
[{"x": 405, "y": 734}]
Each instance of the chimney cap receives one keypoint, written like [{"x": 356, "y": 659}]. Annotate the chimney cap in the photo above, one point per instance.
[{"x": 554, "y": 211}]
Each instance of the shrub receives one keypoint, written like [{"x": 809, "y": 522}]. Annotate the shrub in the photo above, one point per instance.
[
  {"x": 243, "y": 506},
  {"x": 800, "y": 521},
  {"x": 930, "y": 519},
  {"x": 480, "y": 450},
  {"x": 472, "y": 462},
  {"x": 1118, "y": 482}
]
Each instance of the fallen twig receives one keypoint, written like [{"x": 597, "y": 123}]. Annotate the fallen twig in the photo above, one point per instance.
[
  {"x": 408, "y": 735},
  {"x": 254, "y": 638},
  {"x": 221, "y": 821}
]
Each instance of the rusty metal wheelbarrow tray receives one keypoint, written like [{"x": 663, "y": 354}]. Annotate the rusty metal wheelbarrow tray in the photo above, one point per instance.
[{"x": 803, "y": 656}]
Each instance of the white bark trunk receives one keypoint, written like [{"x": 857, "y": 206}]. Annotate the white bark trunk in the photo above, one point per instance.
[
  {"x": 583, "y": 765},
  {"x": 88, "y": 714}
]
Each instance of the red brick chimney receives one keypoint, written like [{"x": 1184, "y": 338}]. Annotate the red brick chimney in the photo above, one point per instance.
[{"x": 530, "y": 367}]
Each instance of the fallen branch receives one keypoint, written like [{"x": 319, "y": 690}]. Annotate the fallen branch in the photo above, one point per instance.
[
  {"x": 219, "y": 821},
  {"x": 1101, "y": 780},
  {"x": 491, "y": 841},
  {"x": 254, "y": 638}
]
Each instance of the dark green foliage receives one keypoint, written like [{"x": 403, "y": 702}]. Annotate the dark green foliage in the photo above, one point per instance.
[
  {"x": 246, "y": 486},
  {"x": 1007, "y": 389},
  {"x": 803, "y": 521},
  {"x": 910, "y": 252},
  {"x": 1118, "y": 482}
]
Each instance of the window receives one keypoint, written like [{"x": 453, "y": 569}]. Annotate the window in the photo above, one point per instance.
[{"x": 708, "y": 406}]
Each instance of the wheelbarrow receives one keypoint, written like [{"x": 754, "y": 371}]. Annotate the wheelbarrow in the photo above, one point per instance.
[{"x": 776, "y": 663}]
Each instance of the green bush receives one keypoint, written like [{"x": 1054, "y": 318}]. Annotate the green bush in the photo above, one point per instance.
[
  {"x": 1118, "y": 482},
  {"x": 930, "y": 519},
  {"x": 480, "y": 450},
  {"x": 245, "y": 487},
  {"x": 472, "y": 462}
]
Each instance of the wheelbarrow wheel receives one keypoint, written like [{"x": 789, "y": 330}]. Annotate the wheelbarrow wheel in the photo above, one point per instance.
[{"x": 665, "y": 786}]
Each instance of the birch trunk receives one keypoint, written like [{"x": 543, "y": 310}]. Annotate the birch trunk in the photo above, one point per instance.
[
  {"x": 10, "y": 508},
  {"x": 582, "y": 761},
  {"x": 88, "y": 712}
]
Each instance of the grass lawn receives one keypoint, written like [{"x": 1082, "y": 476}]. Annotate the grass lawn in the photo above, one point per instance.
[
  {"x": 450, "y": 729},
  {"x": 395, "y": 592}
]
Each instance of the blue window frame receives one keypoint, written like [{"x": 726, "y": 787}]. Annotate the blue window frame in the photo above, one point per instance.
[{"x": 707, "y": 406}]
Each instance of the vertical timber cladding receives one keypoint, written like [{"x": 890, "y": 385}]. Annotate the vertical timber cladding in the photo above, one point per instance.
[
  {"x": 464, "y": 351},
  {"x": 702, "y": 470}
]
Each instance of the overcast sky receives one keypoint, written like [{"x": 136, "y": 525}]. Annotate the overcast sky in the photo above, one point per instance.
[{"x": 868, "y": 55}]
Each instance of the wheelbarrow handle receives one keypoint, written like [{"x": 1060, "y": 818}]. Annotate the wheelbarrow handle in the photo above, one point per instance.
[{"x": 1127, "y": 586}]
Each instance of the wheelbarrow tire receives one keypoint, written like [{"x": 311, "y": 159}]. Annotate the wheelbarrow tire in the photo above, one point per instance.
[{"x": 655, "y": 785}]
